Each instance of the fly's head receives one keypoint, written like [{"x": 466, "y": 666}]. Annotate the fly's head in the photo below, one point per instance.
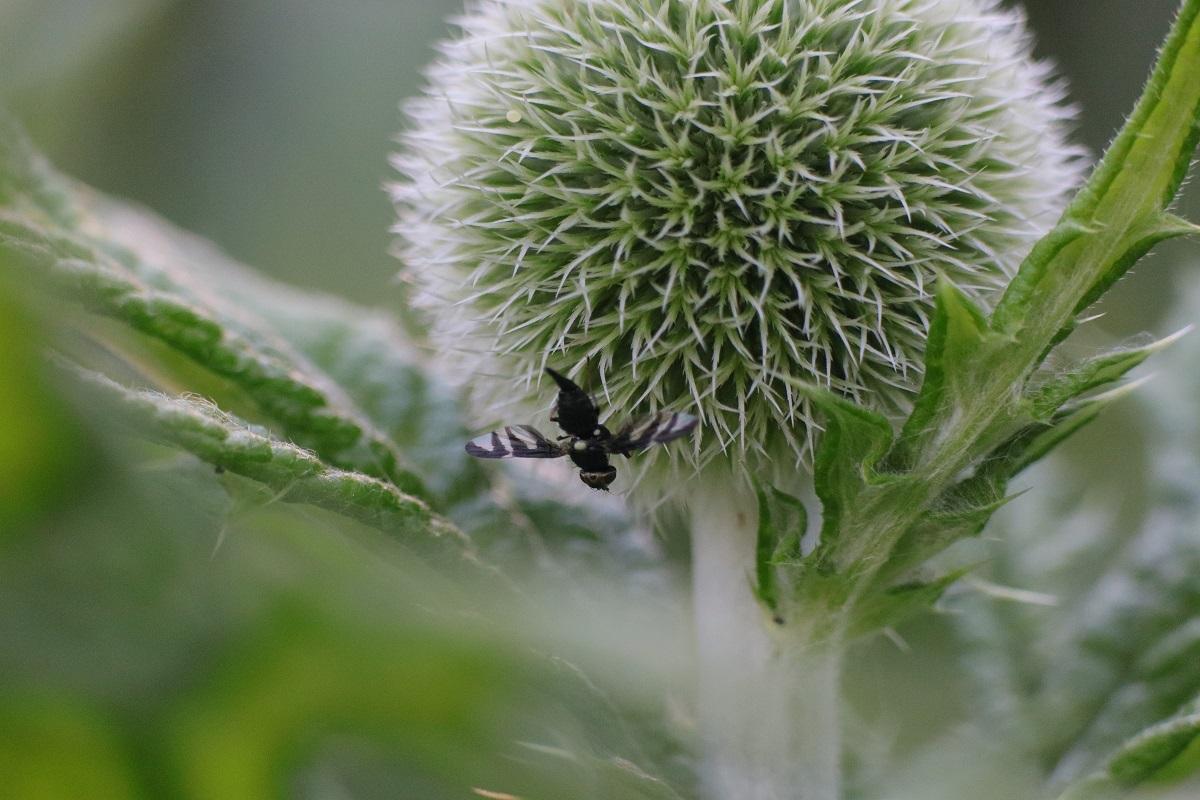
[{"x": 599, "y": 479}]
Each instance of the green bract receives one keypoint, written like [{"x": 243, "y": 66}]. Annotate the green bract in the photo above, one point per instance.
[{"x": 704, "y": 201}]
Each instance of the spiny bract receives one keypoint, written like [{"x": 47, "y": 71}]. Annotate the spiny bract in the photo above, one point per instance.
[{"x": 699, "y": 198}]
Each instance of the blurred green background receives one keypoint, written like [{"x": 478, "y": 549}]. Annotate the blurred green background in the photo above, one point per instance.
[{"x": 163, "y": 633}]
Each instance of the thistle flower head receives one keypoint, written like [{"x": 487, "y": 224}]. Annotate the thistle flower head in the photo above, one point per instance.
[{"x": 699, "y": 199}]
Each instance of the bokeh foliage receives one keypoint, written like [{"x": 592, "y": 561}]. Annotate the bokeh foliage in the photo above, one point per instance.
[{"x": 172, "y": 630}]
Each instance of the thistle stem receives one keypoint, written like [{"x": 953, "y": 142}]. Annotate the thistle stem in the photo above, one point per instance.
[{"x": 768, "y": 707}]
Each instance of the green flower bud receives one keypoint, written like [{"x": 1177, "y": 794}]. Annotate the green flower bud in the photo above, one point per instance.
[{"x": 699, "y": 199}]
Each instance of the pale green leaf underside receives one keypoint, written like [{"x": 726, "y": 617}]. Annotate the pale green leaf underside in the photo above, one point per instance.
[
  {"x": 1121, "y": 649},
  {"x": 295, "y": 474},
  {"x": 133, "y": 273}
]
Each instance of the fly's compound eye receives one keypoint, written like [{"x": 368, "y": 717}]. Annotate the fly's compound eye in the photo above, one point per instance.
[{"x": 599, "y": 479}]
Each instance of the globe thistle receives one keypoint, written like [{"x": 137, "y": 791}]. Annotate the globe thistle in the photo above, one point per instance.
[
  {"x": 694, "y": 204},
  {"x": 700, "y": 200}
]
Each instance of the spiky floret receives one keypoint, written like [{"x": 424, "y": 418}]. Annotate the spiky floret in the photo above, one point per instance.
[{"x": 700, "y": 199}]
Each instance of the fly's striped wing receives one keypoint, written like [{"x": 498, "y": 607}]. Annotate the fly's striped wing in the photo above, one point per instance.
[
  {"x": 514, "y": 441},
  {"x": 661, "y": 427}
]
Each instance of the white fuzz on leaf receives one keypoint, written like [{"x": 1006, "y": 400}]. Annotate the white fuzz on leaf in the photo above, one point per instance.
[{"x": 686, "y": 202}]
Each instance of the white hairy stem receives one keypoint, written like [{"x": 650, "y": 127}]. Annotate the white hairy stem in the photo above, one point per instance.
[{"x": 768, "y": 703}]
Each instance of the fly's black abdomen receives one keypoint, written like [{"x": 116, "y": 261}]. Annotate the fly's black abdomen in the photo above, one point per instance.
[{"x": 591, "y": 457}]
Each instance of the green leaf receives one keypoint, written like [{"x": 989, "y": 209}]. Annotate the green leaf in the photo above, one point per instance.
[
  {"x": 956, "y": 342},
  {"x": 782, "y": 523},
  {"x": 1139, "y": 240},
  {"x": 295, "y": 474},
  {"x": 892, "y": 605},
  {"x": 852, "y": 445},
  {"x": 28, "y": 184},
  {"x": 1149, "y": 753},
  {"x": 1164, "y": 752},
  {"x": 961, "y": 512},
  {"x": 1034, "y": 443},
  {"x": 1022, "y": 290},
  {"x": 126, "y": 265},
  {"x": 1121, "y": 209},
  {"x": 1047, "y": 394}
]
